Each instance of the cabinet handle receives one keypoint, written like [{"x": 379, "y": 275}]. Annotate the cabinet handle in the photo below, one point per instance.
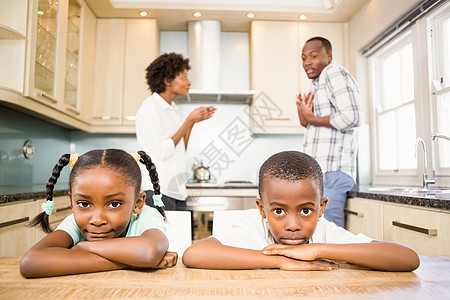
[
  {"x": 63, "y": 209},
  {"x": 46, "y": 96},
  {"x": 130, "y": 118},
  {"x": 106, "y": 118},
  {"x": 14, "y": 222},
  {"x": 359, "y": 214},
  {"x": 72, "y": 110},
  {"x": 277, "y": 119},
  {"x": 427, "y": 231}
]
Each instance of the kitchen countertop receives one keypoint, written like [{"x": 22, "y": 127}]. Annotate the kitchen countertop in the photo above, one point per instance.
[
  {"x": 441, "y": 202},
  {"x": 430, "y": 281},
  {"x": 9, "y": 194}
]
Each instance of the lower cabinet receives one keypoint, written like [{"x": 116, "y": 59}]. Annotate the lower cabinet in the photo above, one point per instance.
[
  {"x": 424, "y": 230},
  {"x": 365, "y": 216},
  {"x": 15, "y": 236}
]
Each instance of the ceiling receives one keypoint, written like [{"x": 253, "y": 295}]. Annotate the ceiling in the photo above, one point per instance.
[{"x": 173, "y": 15}]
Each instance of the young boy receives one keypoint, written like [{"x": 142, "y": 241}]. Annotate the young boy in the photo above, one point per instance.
[{"x": 289, "y": 233}]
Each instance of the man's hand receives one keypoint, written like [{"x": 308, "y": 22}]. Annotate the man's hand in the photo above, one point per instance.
[{"x": 305, "y": 104}]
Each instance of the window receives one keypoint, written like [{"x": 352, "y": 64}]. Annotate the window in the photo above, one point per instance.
[
  {"x": 440, "y": 38},
  {"x": 410, "y": 84},
  {"x": 393, "y": 102}
]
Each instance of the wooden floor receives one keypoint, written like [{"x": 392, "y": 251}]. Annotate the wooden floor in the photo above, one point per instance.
[{"x": 430, "y": 281}]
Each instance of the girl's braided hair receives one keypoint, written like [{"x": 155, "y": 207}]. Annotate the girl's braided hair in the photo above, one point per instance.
[{"x": 115, "y": 159}]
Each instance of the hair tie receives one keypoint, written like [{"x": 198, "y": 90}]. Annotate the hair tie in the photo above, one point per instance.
[
  {"x": 47, "y": 207},
  {"x": 73, "y": 159},
  {"x": 157, "y": 200},
  {"x": 136, "y": 156}
]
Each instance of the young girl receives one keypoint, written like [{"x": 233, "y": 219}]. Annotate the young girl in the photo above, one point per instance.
[
  {"x": 111, "y": 227},
  {"x": 288, "y": 231}
]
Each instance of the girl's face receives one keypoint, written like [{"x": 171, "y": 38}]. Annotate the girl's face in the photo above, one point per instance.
[
  {"x": 292, "y": 209},
  {"x": 103, "y": 202},
  {"x": 180, "y": 84}
]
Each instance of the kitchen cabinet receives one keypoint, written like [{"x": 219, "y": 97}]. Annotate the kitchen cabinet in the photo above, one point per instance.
[
  {"x": 13, "y": 27},
  {"x": 57, "y": 30},
  {"x": 277, "y": 75},
  {"x": 125, "y": 47},
  {"x": 15, "y": 237},
  {"x": 424, "y": 230},
  {"x": 365, "y": 216},
  {"x": 274, "y": 74}
]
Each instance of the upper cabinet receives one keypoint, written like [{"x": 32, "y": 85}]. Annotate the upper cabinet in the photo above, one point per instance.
[
  {"x": 56, "y": 32},
  {"x": 274, "y": 76},
  {"x": 13, "y": 28},
  {"x": 124, "y": 49},
  {"x": 277, "y": 75}
]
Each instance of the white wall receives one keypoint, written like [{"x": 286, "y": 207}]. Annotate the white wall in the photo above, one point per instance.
[{"x": 373, "y": 19}]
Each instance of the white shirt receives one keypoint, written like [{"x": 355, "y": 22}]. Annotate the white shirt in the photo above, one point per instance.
[
  {"x": 250, "y": 231},
  {"x": 156, "y": 123}
]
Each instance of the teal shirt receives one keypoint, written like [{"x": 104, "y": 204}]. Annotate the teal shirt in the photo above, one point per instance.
[{"x": 149, "y": 218}]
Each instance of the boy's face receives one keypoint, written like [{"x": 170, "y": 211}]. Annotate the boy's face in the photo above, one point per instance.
[
  {"x": 292, "y": 209},
  {"x": 103, "y": 202},
  {"x": 315, "y": 58}
]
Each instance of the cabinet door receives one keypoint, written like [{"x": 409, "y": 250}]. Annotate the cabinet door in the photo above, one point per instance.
[
  {"x": 141, "y": 48},
  {"x": 109, "y": 72},
  {"x": 425, "y": 231},
  {"x": 44, "y": 50},
  {"x": 61, "y": 210},
  {"x": 15, "y": 237},
  {"x": 275, "y": 70},
  {"x": 365, "y": 216}
]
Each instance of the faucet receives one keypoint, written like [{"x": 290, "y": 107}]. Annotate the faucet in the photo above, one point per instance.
[
  {"x": 426, "y": 180},
  {"x": 434, "y": 137}
]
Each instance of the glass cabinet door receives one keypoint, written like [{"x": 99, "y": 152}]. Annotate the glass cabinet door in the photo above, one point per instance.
[
  {"x": 46, "y": 43},
  {"x": 72, "y": 54}
]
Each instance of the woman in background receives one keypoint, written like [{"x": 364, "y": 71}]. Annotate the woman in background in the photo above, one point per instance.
[{"x": 160, "y": 130}]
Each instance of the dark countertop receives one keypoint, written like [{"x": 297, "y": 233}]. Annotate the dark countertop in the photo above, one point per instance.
[
  {"x": 441, "y": 201},
  {"x": 10, "y": 194}
]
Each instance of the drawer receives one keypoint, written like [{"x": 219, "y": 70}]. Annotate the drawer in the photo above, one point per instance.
[{"x": 425, "y": 231}]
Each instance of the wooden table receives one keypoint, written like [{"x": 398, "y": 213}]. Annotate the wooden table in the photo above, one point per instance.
[{"x": 430, "y": 281}]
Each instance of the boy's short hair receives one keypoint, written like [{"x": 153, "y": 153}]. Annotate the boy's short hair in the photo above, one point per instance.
[{"x": 290, "y": 166}]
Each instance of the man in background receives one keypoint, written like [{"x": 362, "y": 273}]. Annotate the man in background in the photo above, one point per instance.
[{"x": 331, "y": 111}]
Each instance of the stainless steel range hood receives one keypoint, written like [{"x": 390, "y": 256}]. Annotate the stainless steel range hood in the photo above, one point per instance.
[{"x": 204, "y": 55}]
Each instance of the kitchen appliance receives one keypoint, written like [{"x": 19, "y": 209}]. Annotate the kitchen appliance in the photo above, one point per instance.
[
  {"x": 201, "y": 173},
  {"x": 204, "y": 52}
]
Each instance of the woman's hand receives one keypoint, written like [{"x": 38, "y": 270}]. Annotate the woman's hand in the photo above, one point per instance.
[
  {"x": 202, "y": 113},
  {"x": 169, "y": 260}
]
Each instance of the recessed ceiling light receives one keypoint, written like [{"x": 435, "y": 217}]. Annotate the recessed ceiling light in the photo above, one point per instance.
[
  {"x": 303, "y": 17},
  {"x": 250, "y": 15},
  {"x": 197, "y": 14},
  {"x": 143, "y": 13},
  {"x": 40, "y": 12}
]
